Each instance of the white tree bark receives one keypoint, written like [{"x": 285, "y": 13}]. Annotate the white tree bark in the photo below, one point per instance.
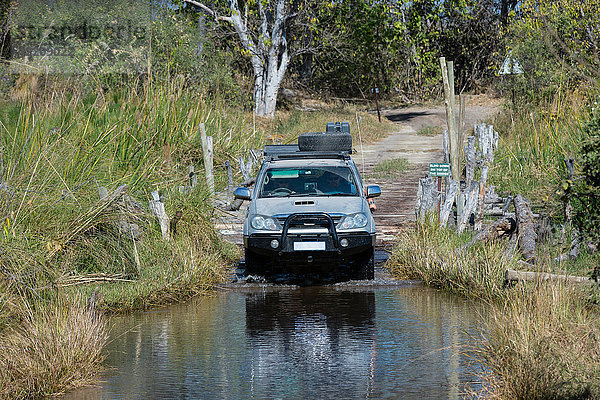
[{"x": 269, "y": 53}]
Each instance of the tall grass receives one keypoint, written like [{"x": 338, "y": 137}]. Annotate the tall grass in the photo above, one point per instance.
[
  {"x": 54, "y": 238},
  {"x": 533, "y": 145},
  {"x": 54, "y": 349},
  {"x": 542, "y": 343},
  {"x": 438, "y": 257}
]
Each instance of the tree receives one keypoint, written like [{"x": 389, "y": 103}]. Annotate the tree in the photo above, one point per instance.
[{"x": 263, "y": 35}]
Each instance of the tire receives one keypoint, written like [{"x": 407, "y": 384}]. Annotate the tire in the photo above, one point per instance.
[
  {"x": 365, "y": 266},
  {"x": 253, "y": 261},
  {"x": 321, "y": 141}
]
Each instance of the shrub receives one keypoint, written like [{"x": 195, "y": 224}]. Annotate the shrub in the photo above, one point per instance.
[{"x": 586, "y": 196}]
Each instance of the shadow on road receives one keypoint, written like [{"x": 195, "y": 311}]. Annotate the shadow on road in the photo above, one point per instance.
[{"x": 406, "y": 116}]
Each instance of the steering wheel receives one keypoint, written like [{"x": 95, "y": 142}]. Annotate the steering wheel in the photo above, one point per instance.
[{"x": 282, "y": 190}]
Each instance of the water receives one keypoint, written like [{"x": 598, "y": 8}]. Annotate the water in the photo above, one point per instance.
[{"x": 330, "y": 342}]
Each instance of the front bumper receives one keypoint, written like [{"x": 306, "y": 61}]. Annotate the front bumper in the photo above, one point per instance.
[{"x": 324, "y": 245}]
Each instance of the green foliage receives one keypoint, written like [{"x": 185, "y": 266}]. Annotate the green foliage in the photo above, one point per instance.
[
  {"x": 555, "y": 42},
  {"x": 396, "y": 46},
  {"x": 205, "y": 57},
  {"x": 586, "y": 193}
]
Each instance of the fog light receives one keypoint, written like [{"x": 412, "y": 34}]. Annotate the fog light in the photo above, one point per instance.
[
  {"x": 344, "y": 242},
  {"x": 274, "y": 243}
]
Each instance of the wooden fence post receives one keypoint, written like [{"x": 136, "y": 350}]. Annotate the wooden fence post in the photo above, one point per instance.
[
  {"x": 526, "y": 228},
  {"x": 158, "y": 209},
  {"x": 470, "y": 206},
  {"x": 481, "y": 203},
  {"x": 445, "y": 146},
  {"x": 230, "y": 188},
  {"x": 451, "y": 191},
  {"x": 207, "y": 152},
  {"x": 427, "y": 200},
  {"x": 470, "y": 159},
  {"x": 448, "y": 79}
]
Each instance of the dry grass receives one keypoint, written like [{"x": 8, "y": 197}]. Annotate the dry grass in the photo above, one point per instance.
[
  {"x": 287, "y": 125},
  {"x": 542, "y": 343},
  {"x": 55, "y": 349},
  {"x": 434, "y": 255}
]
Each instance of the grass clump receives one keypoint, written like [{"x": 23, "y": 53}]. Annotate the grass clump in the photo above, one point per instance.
[
  {"x": 430, "y": 131},
  {"x": 542, "y": 343},
  {"x": 53, "y": 350},
  {"x": 390, "y": 168},
  {"x": 439, "y": 257}
]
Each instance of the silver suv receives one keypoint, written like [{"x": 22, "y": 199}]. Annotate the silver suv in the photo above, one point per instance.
[{"x": 309, "y": 210}]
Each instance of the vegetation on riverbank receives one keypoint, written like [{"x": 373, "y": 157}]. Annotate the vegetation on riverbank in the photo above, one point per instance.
[
  {"x": 441, "y": 259},
  {"x": 540, "y": 339}
]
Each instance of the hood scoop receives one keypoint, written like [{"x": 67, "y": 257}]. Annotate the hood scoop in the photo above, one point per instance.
[{"x": 304, "y": 203}]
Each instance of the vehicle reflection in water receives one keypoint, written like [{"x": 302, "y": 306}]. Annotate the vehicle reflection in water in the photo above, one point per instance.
[
  {"x": 276, "y": 342},
  {"x": 312, "y": 347}
]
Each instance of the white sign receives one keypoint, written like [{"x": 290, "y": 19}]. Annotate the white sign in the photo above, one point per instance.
[{"x": 510, "y": 66}]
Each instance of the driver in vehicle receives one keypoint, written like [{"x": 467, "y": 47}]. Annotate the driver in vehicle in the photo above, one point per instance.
[{"x": 334, "y": 183}]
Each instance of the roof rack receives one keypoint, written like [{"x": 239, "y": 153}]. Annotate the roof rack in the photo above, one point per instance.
[{"x": 291, "y": 151}]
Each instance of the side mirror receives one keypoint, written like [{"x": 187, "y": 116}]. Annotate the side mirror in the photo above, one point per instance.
[
  {"x": 373, "y": 191},
  {"x": 242, "y": 193}
]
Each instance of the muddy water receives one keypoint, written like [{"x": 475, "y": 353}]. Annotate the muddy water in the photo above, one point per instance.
[{"x": 273, "y": 342}]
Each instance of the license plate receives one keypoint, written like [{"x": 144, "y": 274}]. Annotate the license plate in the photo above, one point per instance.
[{"x": 299, "y": 246}]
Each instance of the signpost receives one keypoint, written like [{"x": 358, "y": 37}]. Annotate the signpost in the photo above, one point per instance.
[
  {"x": 439, "y": 170},
  {"x": 375, "y": 90}
]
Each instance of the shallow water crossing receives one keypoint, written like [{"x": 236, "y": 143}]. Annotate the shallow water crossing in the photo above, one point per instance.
[{"x": 340, "y": 341}]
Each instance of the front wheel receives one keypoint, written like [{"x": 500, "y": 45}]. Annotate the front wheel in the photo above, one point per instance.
[
  {"x": 254, "y": 263},
  {"x": 365, "y": 265}
]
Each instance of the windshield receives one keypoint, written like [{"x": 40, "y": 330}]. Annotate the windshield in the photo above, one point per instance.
[{"x": 314, "y": 181}]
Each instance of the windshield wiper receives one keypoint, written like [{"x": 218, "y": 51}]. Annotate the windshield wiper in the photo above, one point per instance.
[{"x": 338, "y": 194}]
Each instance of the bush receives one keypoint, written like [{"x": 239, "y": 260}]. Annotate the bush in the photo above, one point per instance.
[{"x": 586, "y": 196}]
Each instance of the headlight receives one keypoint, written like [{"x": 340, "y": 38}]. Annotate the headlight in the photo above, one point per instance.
[
  {"x": 353, "y": 221},
  {"x": 262, "y": 222}
]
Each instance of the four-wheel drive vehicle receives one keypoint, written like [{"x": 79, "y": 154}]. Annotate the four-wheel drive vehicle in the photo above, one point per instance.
[{"x": 309, "y": 210}]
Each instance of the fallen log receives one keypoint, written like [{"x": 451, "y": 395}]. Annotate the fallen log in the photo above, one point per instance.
[
  {"x": 526, "y": 229},
  {"x": 515, "y": 276}
]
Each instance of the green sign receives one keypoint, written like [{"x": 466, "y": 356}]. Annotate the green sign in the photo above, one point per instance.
[{"x": 439, "y": 169}]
